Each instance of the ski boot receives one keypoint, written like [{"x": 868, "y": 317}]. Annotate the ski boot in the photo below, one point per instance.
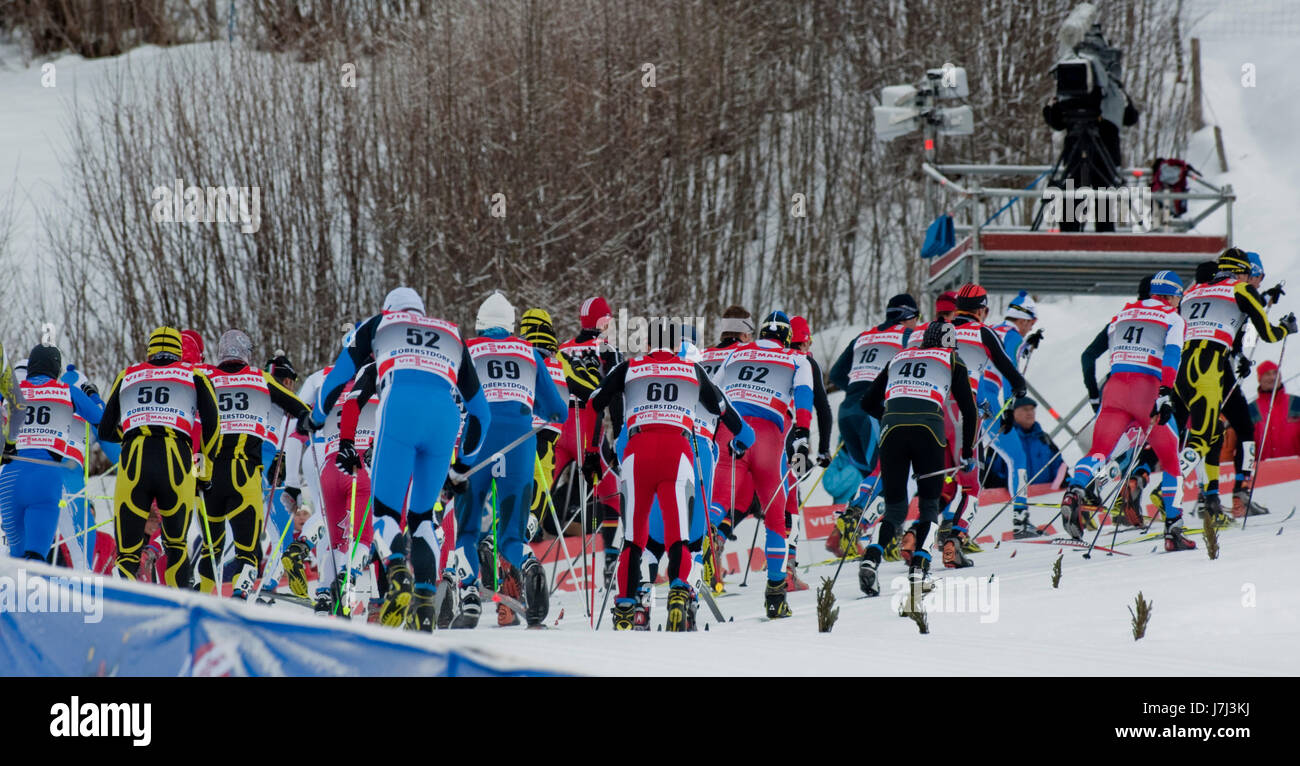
[
  {"x": 1175, "y": 539},
  {"x": 1210, "y": 510},
  {"x": 774, "y": 600},
  {"x": 1021, "y": 526},
  {"x": 423, "y": 609},
  {"x": 892, "y": 553},
  {"x": 918, "y": 581},
  {"x": 624, "y": 613},
  {"x": 907, "y": 543},
  {"x": 295, "y": 569},
  {"x": 487, "y": 565},
  {"x": 1157, "y": 500},
  {"x": 397, "y": 602},
  {"x": 844, "y": 537},
  {"x": 1243, "y": 505},
  {"x": 326, "y": 598},
  {"x": 711, "y": 561},
  {"x": 511, "y": 585},
  {"x": 1128, "y": 504},
  {"x": 681, "y": 612},
  {"x": 868, "y": 580},
  {"x": 537, "y": 596},
  {"x": 448, "y": 611},
  {"x": 641, "y": 610},
  {"x": 792, "y": 581},
  {"x": 953, "y": 552},
  {"x": 968, "y": 544},
  {"x": 471, "y": 608},
  {"x": 1071, "y": 513}
]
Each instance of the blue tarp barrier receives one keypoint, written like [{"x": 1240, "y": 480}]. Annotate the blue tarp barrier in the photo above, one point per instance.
[{"x": 55, "y": 622}]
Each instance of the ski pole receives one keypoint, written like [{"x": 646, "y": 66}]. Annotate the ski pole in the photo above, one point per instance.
[
  {"x": 69, "y": 465},
  {"x": 356, "y": 541},
  {"x": 1132, "y": 465},
  {"x": 818, "y": 483},
  {"x": 1272, "y": 397},
  {"x": 1059, "y": 452},
  {"x": 944, "y": 472}
]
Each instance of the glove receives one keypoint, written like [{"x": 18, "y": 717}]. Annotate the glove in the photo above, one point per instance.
[
  {"x": 289, "y": 498},
  {"x": 1164, "y": 406},
  {"x": 89, "y": 389},
  {"x": 1034, "y": 339},
  {"x": 457, "y": 477},
  {"x": 968, "y": 463},
  {"x": 986, "y": 410},
  {"x": 1273, "y": 294},
  {"x": 1288, "y": 323},
  {"x": 306, "y": 426},
  {"x": 737, "y": 449},
  {"x": 1095, "y": 401},
  {"x": 1016, "y": 393},
  {"x": 294, "y": 493},
  {"x": 347, "y": 459},
  {"x": 800, "y": 442},
  {"x": 823, "y": 459},
  {"x": 1243, "y": 366},
  {"x": 11, "y": 449},
  {"x": 367, "y": 456},
  {"x": 1008, "y": 420},
  {"x": 591, "y": 465}
]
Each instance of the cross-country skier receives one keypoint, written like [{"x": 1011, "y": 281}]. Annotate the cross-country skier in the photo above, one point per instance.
[
  {"x": 247, "y": 399},
  {"x": 771, "y": 386},
  {"x": 853, "y": 372},
  {"x": 1214, "y": 312},
  {"x": 277, "y": 451},
  {"x": 420, "y": 359},
  {"x": 345, "y": 486},
  {"x": 50, "y": 433},
  {"x": 79, "y": 508},
  {"x": 516, "y": 385},
  {"x": 909, "y": 398},
  {"x": 590, "y": 357},
  {"x": 1145, "y": 340},
  {"x": 801, "y": 342},
  {"x": 1019, "y": 343},
  {"x": 151, "y": 410},
  {"x": 660, "y": 393},
  {"x": 980, "y": 348},
  {"x": 536, "y": 328}
]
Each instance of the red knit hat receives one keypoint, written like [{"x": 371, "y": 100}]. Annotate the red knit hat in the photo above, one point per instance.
[
  {"x": 191, "y": 347},
  {"x": 592, "y": 310},
  {"x": 1266, "y": 366},
  {"x": 799, "y": 332},
  {"x": 945, "y": 302}
]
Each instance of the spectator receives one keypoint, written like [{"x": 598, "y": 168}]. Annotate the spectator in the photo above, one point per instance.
[
  {"x": 1283, "y": 438},
  {"x": 1040, "y": 451},
  {"x": 842, "y": 478}
]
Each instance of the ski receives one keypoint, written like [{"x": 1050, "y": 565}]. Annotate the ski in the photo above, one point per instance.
[
  {"x": 515, "y": 604},
  {"x": 708, "y": 600},
  {"x": 1070, "y": 542}
]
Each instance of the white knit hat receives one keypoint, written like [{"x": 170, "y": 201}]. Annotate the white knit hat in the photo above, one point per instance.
[
  {"x": 496, "y": 311},
  {"x": 1022, "y": 307},
  {"x": 403, "y": 299}
]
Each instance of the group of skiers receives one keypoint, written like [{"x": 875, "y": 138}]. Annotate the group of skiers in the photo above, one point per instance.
[{"x": 416, "y": 430}]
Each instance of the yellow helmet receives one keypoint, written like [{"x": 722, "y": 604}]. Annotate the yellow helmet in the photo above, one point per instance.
[
  {"x": 535, "y": 327},
  {"x": 164, "y": 340}
]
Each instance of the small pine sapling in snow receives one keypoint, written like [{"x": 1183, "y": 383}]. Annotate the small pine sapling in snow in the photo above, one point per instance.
[
  {"x": 1141, "y": 616},
  {"x": 1056, "y": 571},
  {"x": 1211, "y": 540},
  {"x": 827, "y": 612}
]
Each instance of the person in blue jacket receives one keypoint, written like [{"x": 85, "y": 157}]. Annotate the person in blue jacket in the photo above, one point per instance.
[
  {"x": 516, "y": 384},
  {"x": 48, "y": 442},
  {"x": 1037, "y": 449},
  {"x": 422, "y": 365},
  {"x": 74, "y": 482}
]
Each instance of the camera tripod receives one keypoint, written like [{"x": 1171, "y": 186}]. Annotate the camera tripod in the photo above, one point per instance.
[{"x": 1083, "y": 158}]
